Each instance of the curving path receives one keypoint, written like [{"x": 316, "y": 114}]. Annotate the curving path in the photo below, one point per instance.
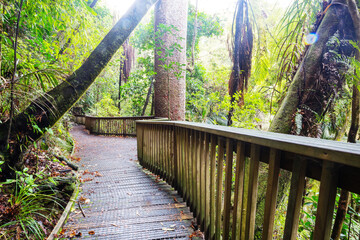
[{"x": 118, "y": 198}]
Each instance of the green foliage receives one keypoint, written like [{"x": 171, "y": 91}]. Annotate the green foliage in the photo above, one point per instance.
[
  {"x": 54, "y": 39},
  {"x": 207, "y": 26},
  {"x": 203, "y": 103},
  {"x": 28, "y": 207},
  {"x": 106, "y": 107},
  {"x": 253, "y": 114}
]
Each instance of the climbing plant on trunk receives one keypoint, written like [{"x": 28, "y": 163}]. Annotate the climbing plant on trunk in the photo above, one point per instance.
[{"x": 170, "y": 58}]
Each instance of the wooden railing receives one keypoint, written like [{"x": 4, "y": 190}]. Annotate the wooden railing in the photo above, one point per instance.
[
  {"x": 79, "y": 119},
  {"x": 201, "y": 161},
  {"x": 125, "y": 126}
]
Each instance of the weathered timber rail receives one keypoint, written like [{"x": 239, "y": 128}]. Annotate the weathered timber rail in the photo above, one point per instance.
[
  {"x": 199, "y": 159},
  {"x": 125, "y": 126}
]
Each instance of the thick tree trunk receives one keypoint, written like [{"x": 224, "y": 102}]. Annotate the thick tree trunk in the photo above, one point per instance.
[
  {"x": 170, "y": 82},
  {"x": 45, "y": 111},
  {"x": 309, "y": 69},
  {"x": 340, "y": 215}
]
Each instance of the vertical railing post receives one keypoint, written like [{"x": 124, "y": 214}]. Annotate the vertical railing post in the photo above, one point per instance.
[
  {"x": 212, "y": 186},
  {"x": 239, "y": 188},
  {"x": 326, "y": 202},
  {"x": 140, "y": 141},
  {"x": 219, "y": 188},
  {"x": 227, "y": 191},
  {"x": 271, "y": 194},
  {"x": 252, "y": 193},
  {"x": 295, "y": 197},
  {"x": 207, "y": 185},
  {"x": 175, "y": 158}
]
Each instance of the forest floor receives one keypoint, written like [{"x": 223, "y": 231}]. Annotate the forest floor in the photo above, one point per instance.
[{"x": 119, "y": 199}]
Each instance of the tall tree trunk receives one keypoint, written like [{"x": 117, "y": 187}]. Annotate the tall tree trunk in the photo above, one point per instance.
[
  {"x": 148, "y": 96},
  {"x": 47, "y": 110},
  {"x": 170, "y": 67},
  {"x": 242, "y": 53}
]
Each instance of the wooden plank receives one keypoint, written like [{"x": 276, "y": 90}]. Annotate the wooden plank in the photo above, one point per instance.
[
  {"x": 219, "y": 188},
  {"x": 193, "y": 171},
  {"x": 165, "y": 150},
  {"x": 345, "y": 153},
  {"x": 162, "y": 152},
  {"x": 295, "y": 198},
  {"x": 212, "y": 186},
  {"x": 207, "y": 186},
  {"x": 227, "y": 191},
  {"x": 187, "y": 166},
  {"x": 252, "y": 193},
  {"x": 178, "y": 149},
  {"x": 183, "y": 163},
  {"x": 202, "y": 183},
  {"x": 239, "y": 186},
  {"x": 198, "y": 176},
  {"x": 175, "y": 158},
  {"x": 327, "y": 196},
  {"x": 271, "y": 194}
]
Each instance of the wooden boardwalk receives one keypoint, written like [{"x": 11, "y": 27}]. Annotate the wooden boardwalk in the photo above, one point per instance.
[{"x": 119, "y": 199}]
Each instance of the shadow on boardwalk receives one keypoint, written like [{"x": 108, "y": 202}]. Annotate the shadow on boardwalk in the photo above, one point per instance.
[{"x": 125, "y": 201}]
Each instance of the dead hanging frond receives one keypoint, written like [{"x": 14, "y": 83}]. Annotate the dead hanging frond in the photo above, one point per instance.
[{"x": 242, "y": 45}]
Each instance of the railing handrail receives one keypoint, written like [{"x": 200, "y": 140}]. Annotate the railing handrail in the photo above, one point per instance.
[
  {"x": 110, "y": 118},
  {"x": 196, "y": 158},
  {"x": 125, "y": 126},
  {"x": 334, "y": 151}
]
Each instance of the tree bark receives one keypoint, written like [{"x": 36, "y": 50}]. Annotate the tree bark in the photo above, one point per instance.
[
  {"x": 48, "y": 109},
  {"x": 170, "y": 83},
  {"x": 308, "y": 69},
  {"x": 340, "y": 214}
]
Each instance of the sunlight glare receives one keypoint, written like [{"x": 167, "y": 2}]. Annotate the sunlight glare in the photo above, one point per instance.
[{"x": 311, "y": 38}]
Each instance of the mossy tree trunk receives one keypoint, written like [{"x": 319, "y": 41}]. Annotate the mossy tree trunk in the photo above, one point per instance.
[
  {"x": 170, "y": 58},
  {"x": 308, "y": 84},
  {"x": 314, "y": 88},
  {"x": 45, "y": 111}
]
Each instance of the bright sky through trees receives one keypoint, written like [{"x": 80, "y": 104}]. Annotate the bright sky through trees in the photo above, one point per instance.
[{"x": 119, "y": 7}]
